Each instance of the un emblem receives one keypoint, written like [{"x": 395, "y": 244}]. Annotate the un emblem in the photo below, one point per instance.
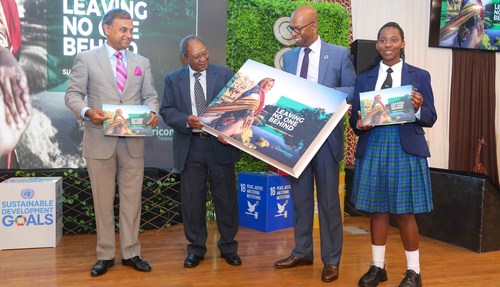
[{"x": 27, "y": 193}]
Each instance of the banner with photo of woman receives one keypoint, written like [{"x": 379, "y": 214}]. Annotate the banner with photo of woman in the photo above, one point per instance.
[
  {"x": 53, "y": 33},
  {"x": 275, "y": 116}
]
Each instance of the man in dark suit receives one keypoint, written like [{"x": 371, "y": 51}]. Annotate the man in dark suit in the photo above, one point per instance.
[
  {"x": 201, "y": 158},
  {"x": 112, "y": 159},
  {"x": 329, "y": 65}
]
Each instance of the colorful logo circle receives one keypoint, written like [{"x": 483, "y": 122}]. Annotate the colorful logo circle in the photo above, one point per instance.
[{"x": 20, "y": 220}]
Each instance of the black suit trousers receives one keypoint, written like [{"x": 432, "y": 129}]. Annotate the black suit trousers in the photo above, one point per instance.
[{"x": 201, "y": 172}]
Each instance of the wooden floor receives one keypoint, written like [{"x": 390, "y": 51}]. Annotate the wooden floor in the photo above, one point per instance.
[{"x": 69, "y": 264}]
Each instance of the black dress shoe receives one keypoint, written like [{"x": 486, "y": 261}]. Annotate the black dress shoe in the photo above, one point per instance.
[
  {"x": 101, "y": 267},
  {"x": 231, "y": 259},
  {"x": 330, "y": 273},
  {"x": 372, "y": 277},
  {"x": 292, "y": 261},
  {"x": 412, "y": 279},
  {"x": 137, "y": 263},
  {"x": 192, "y": 261}
]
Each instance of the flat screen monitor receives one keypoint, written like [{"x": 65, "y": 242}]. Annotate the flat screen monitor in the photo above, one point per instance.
[{"x": 465, "y": 24}]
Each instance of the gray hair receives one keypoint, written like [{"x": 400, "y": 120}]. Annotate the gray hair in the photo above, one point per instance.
[
  {"x": 185, "y": 42},
  {"x": 113, "y": 14}
]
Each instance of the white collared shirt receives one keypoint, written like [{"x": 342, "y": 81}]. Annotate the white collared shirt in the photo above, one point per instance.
[
  {"x": 397, "y": 71},
  {"x": 396, "y": 75},
  {"x": 313, "y": 69},
  {"x": 113, "y": 60}
]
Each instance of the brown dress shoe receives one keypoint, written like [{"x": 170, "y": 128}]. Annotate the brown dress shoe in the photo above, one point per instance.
[
  {"x": 292, "y": 261},
  {"x": 330, "y": 273}
]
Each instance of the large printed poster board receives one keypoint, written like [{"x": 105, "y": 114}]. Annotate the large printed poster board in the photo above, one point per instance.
[
  {"x": 275, "y": 116},
  {"x": 53, "y": 33}
]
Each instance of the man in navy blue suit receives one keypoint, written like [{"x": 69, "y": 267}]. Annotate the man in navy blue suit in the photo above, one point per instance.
[
  {"x": 202, "y": 159},
  {"x": 329, "y": 65}
]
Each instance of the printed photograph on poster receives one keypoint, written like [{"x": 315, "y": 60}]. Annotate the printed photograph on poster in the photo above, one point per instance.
[
  {"x": 43, "y": 38},
  {"x": 275, "y": 116},
  {"x": 387, "y": 106},
  {"x": 127, "y": 120}
]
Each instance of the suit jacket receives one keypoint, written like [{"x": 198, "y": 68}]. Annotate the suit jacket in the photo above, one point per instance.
[
  {"x": 92, "y": 76},
  {"x": 176, "y": 107},
  {"x": 335, "y": 71},
  {"x": 412, "y": 134}
]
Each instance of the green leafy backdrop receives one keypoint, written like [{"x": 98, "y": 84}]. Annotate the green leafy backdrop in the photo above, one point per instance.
[{"x": 250, "y": 36}]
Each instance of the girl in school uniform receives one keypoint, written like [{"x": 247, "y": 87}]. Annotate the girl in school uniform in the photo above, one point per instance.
[{"x": 392, "y": 173}]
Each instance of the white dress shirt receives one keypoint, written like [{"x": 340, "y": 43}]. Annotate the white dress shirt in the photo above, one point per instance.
[
  {"x": 313, "y": 69},
  {"x": 396, "y": 78}
]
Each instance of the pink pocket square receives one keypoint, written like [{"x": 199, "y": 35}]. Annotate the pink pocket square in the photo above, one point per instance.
[{"x": 137, "y": 71}]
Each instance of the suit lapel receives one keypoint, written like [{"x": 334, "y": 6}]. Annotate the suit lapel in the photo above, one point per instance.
[
  {"x": 324, "y": 59},
  {"x": 211, "y": 78},
  {"x": 131, "y": 64},
  {"x": 185, "y": 89},
  {"x": 293, "y": 63},
  {"x": 372, "y": 78},
  {"x": 407, "y": 76},
  {"x": 105, "y": 65}
]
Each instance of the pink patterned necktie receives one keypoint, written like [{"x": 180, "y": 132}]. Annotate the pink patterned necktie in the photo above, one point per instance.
[{"x": 121, "y": 72}]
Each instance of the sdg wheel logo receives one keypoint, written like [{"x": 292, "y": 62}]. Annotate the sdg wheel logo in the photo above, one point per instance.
[{"x": 20, "y": 220}]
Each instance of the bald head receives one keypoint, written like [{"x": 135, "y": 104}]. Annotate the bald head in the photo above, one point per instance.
[
  {"x": 304, "y": 22},
  {"x": 307, "y": 13}
]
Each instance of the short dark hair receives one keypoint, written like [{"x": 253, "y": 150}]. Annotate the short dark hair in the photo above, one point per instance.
[
  {"x": 185, "y": 42},
  {"x": 113, "y": 14}
]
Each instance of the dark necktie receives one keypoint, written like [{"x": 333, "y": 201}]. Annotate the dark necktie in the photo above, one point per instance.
[
  {"x": 305, "y": 63},
  {"x": 388, "y": 81},
  {"x": 199, "y": 96}
]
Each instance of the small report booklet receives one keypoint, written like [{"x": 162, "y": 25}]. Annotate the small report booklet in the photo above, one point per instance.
[
  {"x": 127, "y": 120},
  {"x": 387, "y": 106}
]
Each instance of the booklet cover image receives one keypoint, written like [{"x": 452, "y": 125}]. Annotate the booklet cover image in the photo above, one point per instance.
[
  {"x": 387, "y": 106},
  {"x": 275, "y": 116},
  {"x": 127, "y": 120}
]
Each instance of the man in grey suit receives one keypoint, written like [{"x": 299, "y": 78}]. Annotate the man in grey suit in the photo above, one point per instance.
[
  {"x": 202, "y": 159},
  {"x": 112, "y": 159},
  {"x": 328, "y": 65}
]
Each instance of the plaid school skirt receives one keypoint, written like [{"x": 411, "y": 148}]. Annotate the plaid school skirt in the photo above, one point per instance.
[{"x": 388, "y": 179}]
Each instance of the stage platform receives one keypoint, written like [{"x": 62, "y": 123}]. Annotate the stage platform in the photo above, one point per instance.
[{"x": 443, "y": 265}]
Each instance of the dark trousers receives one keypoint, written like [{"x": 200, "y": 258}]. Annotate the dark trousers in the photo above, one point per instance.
[
  {"x": 202, "y": 171},
  {"x": 323, "y": 169}
]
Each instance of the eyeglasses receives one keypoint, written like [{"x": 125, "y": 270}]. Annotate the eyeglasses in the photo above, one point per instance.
[
  {"x": 198, "y": 56},
  {"x": 297, "y": 30}
]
